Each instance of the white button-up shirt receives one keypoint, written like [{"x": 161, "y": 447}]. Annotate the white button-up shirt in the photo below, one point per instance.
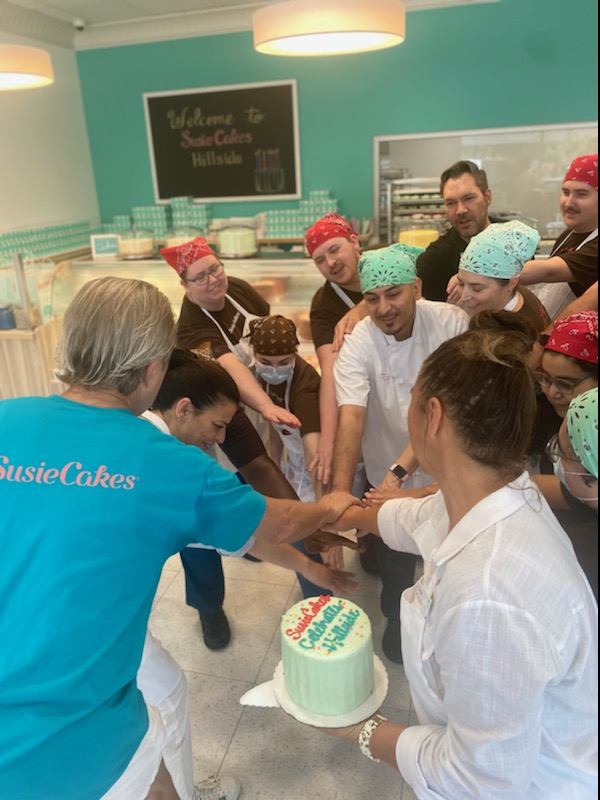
[
  {"x": 377, "y": 372},
  {"x": 500, "y": 647}
]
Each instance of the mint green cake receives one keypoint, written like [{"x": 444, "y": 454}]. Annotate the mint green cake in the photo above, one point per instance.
[{"x": 327, "y": 655}]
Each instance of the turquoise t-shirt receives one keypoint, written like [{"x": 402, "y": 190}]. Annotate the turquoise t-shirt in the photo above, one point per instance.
[{"x": 92, "y": 503}]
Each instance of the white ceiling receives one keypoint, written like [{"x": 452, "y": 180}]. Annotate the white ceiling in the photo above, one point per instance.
[
  {"x": 86, "y": 24},
  {"x": 98, "y": 12}
]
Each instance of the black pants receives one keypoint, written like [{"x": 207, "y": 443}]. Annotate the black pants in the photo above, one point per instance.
[{"x": 397, "y": 572}]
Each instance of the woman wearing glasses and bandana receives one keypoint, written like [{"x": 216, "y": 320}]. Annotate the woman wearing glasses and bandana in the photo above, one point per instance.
[
  {"x": 569, "y": 367},
  {"x": 215, "y": 317}
]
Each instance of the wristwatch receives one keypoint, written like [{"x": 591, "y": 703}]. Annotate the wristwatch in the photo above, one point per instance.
[
  {"x": 364, "y": 737},
  {"x": 399, "y": 472}
]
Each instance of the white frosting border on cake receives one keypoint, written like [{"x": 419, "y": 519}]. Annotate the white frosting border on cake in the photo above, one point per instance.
[{"x": 364, "y": 710}]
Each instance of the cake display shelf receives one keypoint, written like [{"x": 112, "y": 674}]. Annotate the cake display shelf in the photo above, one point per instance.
[{"x": 273, "y": 694}]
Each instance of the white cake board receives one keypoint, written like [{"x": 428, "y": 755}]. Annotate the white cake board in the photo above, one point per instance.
[{"x": 364, "y": 710}]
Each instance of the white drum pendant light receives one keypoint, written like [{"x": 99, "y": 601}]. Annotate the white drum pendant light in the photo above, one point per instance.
[
  {"x": 328, "y": 27},
  {"x": 23, "y": 67}
]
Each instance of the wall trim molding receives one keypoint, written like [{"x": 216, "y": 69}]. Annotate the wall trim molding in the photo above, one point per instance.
[{"x": 32, "y": 25}]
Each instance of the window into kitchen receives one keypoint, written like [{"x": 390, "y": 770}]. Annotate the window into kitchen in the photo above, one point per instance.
[{"x": 525, "y": 167}]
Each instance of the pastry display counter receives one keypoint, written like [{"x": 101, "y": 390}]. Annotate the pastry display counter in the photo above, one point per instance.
[{"x": 27, "y": 357}]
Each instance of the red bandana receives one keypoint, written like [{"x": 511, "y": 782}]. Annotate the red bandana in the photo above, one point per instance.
[
  {"x": 328, "y": 227},
  {"x": 182, "y": 256},
  {"x": 576, "y": 336},
  {"x": 584, "y": 169}
]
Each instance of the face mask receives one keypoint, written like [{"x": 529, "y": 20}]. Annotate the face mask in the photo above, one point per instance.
[
  {"x": 274, "y": 375},
  {"x": 560, "y": 474}
]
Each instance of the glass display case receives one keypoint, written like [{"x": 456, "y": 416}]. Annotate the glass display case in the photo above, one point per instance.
[
  {"x": 288, "y": 283},
  {"x": 28, "y": 328}
]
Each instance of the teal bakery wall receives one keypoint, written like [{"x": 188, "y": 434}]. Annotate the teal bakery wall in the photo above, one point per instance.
[{"x": 516, "y": 62}]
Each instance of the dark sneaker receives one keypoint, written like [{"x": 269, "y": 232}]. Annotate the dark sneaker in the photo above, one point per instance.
[
  {"x": 215, "y": 630},
  {"x": 392, "y": 641},
  {"x": 224, "y": 788}
]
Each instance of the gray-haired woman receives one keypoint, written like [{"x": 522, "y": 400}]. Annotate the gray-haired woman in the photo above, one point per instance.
[{"x": 94, "y": 500}]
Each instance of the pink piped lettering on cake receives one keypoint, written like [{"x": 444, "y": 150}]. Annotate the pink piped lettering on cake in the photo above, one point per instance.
[{"x": 308, "y": 615}]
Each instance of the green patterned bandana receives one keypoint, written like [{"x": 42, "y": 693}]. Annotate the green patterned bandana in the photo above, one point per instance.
[
  {"x": 388, "y": 266},
  {"x": 582, "y": 427},
  {"x": 500, "y": 250}
]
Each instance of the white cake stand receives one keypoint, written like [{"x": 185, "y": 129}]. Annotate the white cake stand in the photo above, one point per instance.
[{"x": 364, "y": 710}]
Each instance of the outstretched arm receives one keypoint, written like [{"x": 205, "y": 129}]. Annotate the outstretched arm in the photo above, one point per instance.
[
  {"x": 286, "y": 556},
  {"x": 545, "y": 270},
  {"x": 291, "y": 521}
]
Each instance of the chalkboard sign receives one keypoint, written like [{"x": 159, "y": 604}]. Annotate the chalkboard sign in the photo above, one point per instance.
[{"x": 225, "y": 143}]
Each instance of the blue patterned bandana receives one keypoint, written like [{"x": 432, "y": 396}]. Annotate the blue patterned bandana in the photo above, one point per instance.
[
  {"x": 500, "y": 250},
  {"x": 388, "y": 266},
  {"x": 582, "y": 427}
]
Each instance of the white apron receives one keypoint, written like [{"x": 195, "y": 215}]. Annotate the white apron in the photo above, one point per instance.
[
  {"x": 243, "y": 350},
  {"x": 592, "y": 235},
  {"x": 342, "y": 295},
  {"x": 296, "y": 472}
]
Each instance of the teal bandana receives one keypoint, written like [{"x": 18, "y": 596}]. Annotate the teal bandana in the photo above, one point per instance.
[
  {"x": 500, "y": 250},
  {"x": 582, "y": 427},
  {"x": 388, "y": 266}
]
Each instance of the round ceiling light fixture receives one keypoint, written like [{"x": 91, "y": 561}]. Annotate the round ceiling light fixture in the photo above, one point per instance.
[{"x": 328, "y": 27}]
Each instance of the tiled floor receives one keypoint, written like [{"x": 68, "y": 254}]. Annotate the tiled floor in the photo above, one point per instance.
[{"x": 274, "y": 756}]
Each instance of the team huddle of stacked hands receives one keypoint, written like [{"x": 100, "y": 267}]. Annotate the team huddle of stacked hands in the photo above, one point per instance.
[{"x": 453, "y": 422}]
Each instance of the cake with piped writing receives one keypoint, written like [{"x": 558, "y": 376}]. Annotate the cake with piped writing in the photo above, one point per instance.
[{"x": 327, "y": 655}]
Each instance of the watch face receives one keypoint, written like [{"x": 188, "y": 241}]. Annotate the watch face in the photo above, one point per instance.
[{"x": 399, "y": 471}]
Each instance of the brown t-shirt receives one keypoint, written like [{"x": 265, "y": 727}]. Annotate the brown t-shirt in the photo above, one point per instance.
[
  {"x": 197, "y": 331},
  {"x": 326, "y": 311},
  {"x": 304, "y": 395},
  {"x": 242, "y": 443},
  {"x": 583, "y": 263},
  {"x": 533, "y": 310}
]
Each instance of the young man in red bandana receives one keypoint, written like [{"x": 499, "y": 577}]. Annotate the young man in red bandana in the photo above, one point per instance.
[
  {"x": 333, "y": 246},
  {"x": 574, "y": 257}
]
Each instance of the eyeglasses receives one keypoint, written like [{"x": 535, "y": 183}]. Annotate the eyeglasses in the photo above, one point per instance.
[
  {"x": 202, "y": 278},
  {"x": 562, "y": 385},
  {"x": 553, "y": 450}
]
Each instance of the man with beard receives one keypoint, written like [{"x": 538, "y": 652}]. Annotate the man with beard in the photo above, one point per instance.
[
  {"x": 374, "y": 374},
  {"x": 467, "y": 198}
]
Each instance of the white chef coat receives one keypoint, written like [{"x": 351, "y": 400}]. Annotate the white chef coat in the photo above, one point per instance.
[
  {"x": 500, "y": 647},
  {"x": 377, "y": 372}
]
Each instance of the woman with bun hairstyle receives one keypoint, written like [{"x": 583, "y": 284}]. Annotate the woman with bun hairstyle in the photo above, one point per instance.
[{"x": 499, "y": 635}]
